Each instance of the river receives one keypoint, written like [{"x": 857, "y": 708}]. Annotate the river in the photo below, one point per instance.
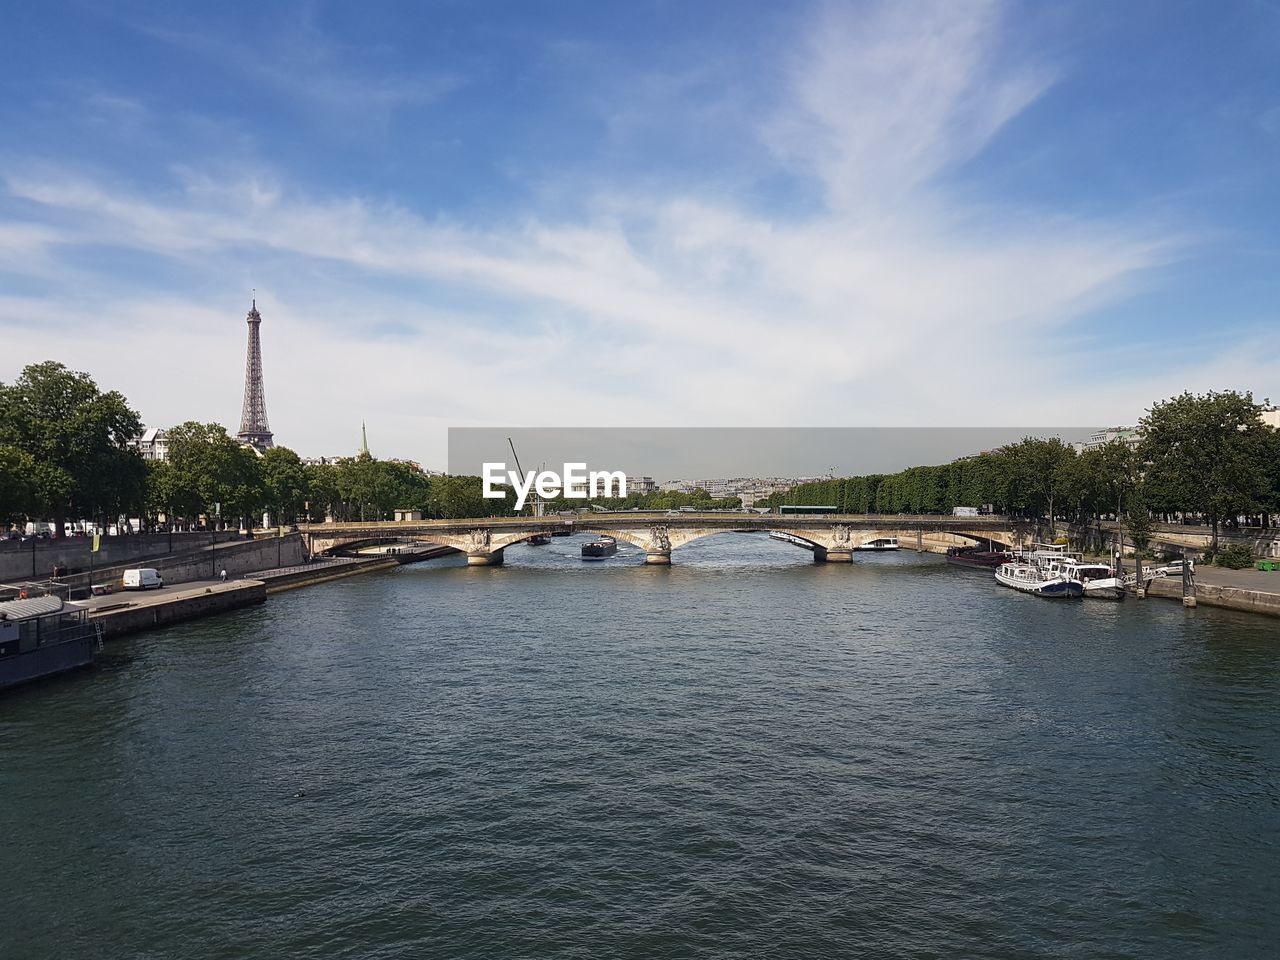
[{"x": 742, "y": 755}]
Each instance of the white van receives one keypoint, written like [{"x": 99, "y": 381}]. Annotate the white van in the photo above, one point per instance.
[{"x": 142, "y": 579}]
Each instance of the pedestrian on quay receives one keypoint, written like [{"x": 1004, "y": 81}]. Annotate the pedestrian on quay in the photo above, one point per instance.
[{"x": 224, "y": 574}]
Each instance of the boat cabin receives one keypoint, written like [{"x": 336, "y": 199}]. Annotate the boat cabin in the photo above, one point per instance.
[{"x": 35, "y": 622}]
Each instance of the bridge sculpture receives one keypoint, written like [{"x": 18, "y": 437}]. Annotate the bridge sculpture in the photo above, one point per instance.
[{"x": 832, "y": 538}]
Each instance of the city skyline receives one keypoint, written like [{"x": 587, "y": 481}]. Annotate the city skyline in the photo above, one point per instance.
[{"x": 831, "y": 215}]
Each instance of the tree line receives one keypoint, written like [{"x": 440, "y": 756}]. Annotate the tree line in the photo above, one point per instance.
[
  {"x": 67, "y": 453},
  {"x": 1207, "y": 456}
]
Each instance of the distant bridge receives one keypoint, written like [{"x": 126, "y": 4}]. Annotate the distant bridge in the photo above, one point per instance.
[{"x": 831, "y": 537}]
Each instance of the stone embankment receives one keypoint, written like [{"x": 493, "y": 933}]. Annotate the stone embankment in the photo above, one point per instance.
[
  {"x": 121, "y": 613},
  {"x": 126, "y": 613},
  {"x": 239, "y": 558},
  {"x": 1247, "y": 590},
  {"x": 35, "y": 560},
  {"x": 1253, "y": 591}
]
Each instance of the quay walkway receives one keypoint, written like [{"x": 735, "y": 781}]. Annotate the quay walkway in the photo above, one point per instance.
[
  {"x": 1254, "y": 591},
  {"x": 118, "y": 614}
]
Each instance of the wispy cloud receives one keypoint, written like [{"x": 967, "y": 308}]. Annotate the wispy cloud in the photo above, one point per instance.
[
  {"x": 662, "y": 304},
  {"x": 885, "y": 102}
]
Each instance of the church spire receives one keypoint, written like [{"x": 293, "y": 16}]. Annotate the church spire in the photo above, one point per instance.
[{"x": 364, "y": 441}]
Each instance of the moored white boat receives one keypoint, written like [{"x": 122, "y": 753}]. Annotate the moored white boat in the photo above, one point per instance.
[
  {"x": 1105, "y": 588},
  {"x": 1034, "y": 579},
  {"x": 1097, "y": 580},
  {"x": 879, "y": 543}
]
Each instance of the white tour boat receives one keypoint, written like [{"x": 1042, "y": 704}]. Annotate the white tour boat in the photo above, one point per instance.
[
  {"x": 1031, "y": 577},
  {"x": 1097, "y": 580},
  {"x": 879, "y": 543}
]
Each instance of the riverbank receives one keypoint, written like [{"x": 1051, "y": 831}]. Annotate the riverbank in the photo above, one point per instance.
[
  {"x": 338, "y": 568},
  {"x": 320, "y": 571},
  {"x": 1250, "y": 590},
  {"x": 121, "y": 614}
]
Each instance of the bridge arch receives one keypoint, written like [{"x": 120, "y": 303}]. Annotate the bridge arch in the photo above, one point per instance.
[
  {"x": 659, "y": 539},
  {"x": 984, "y": 541},
  {"x": 830, "y": 537}
]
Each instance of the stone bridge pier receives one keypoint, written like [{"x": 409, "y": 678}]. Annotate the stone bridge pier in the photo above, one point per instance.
[
  {"x": 831, "y": 539},
  {"x": 479, "y": 548}
]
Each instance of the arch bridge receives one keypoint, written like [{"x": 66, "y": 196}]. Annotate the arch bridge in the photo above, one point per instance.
[{"x": 831, "y": 537}]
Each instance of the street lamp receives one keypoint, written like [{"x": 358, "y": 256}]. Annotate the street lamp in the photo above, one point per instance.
[{"x": 213, "y": 550}]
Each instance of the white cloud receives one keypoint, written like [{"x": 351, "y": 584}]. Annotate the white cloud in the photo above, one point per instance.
[
  {"x": 887, "y": 98},
  {"x": 890, "y": 305}
]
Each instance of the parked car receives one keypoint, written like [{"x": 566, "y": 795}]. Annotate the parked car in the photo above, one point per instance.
[{"x": 143, "y": 578}]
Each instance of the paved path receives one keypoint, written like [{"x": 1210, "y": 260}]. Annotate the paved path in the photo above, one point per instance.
[
  {"x": 333, "y": 563},
  {"x": 147, "y": 598},
  {"x": 1265, "y": 580}
]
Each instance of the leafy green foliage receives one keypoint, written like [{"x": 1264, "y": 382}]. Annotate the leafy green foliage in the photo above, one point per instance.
[
  {"x": 1137, "y": 518},
  {"x": 65, "y": 453},
  {"x": 212, "y": 473},
  {"x": 1235, "y": 557},
  {"x": 1208, "y": 453},
  {"x": 77, "y": 439},
  {"x": 17, "y": 482},
  {"x": 286, "y": 486}
]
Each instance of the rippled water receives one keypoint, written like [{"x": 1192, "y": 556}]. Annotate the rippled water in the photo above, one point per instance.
[{"x": 745, "y": 755}]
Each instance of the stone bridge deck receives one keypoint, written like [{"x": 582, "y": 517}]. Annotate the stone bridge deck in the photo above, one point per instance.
[{"x": 831, "y": 537}]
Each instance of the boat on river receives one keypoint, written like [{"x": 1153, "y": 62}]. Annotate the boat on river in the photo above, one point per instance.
[
  {"x": 1031, "y": 577},
  {"x": 1105, "y": 587},
  {"x": 43, "y": 636},
  {"x": 977, "y": 559},
  {"x": 879, "y": 543},
  {"x": 599, "y": 548},
  {"x": 1097, "y": 580}
]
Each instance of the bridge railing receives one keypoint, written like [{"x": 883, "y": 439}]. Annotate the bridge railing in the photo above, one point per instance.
[{"x": 888, "y": 520}]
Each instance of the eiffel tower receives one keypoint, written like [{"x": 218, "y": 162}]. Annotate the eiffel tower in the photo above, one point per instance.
[{"x": 254, "y": 430}]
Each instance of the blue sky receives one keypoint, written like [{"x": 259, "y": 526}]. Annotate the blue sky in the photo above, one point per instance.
[{"x": 650, "y": 213}]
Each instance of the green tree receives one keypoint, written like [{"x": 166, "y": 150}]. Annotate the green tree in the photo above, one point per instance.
[
  {"x": 461, "y": 496},
  {"x": 1115, "y": 470},
  {"x": 285, "y": 482},
  {"x": 325, "y": 500},
  {"x": 18, "y": 495},
  {"x": 214, "y": 474},
  {"x": 78, "y": 438},
  {"x": 1077, "y": 483},
  {"x": 1207, "y": 453},
  {"x": 1137, "y": 518},
  {"x": 1037, "y": 470},
  {"x": 163, "y": 497},
  {"x": 1271, "y": 457}
]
